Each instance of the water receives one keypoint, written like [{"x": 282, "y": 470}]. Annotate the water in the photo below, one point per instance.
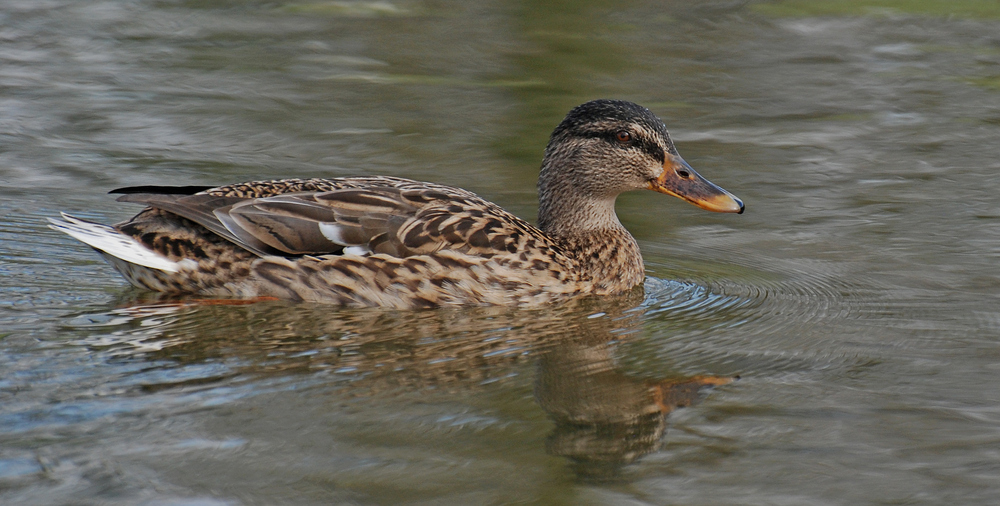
[{"x": 856, "y": 300}]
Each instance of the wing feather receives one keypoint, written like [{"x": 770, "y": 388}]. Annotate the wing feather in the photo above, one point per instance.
[{"x": 390, "y": 216}]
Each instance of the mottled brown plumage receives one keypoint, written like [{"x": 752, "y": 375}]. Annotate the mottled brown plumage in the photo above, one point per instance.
[{"x": 385, "y": 241}]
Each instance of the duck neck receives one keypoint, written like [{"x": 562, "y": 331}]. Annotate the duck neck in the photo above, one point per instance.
[
  {"x": 588, "y": 228},
  {"x": 562, "y": 213}
]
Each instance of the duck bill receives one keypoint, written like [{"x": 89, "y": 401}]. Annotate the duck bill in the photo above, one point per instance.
[{"x": 680, "y": 180}]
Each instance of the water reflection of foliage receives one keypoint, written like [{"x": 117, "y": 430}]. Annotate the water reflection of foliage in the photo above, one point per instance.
[{"x": 604, "y": 419}]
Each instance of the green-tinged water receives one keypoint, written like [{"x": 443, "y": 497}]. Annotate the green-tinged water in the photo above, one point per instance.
[{"x": 856, "y": 300}]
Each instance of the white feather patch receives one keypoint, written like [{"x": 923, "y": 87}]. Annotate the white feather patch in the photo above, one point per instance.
[
  {"x": 110, "y": 241},
  {"x": 332, "y": 232},
  {"x": 357, "y": 250}
]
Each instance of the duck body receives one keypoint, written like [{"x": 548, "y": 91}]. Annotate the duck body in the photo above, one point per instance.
[{"x": 393, "y": 242}]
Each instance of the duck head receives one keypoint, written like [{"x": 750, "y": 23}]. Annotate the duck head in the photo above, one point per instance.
[{"x": 606, "y": 147}]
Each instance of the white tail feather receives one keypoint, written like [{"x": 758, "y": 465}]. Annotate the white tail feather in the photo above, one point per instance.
[{"x": 108, "y": 240}]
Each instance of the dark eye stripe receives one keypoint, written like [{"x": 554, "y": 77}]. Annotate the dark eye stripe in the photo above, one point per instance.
[
  {"x": 640, "y": 142},
  {"x": 653, "y": 150}
]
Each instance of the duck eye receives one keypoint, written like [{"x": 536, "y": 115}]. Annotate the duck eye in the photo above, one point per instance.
[{"x": 623, "y": 136}]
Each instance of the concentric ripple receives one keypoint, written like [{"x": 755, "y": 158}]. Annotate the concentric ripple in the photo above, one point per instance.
[{"x": 807, "y": 318}]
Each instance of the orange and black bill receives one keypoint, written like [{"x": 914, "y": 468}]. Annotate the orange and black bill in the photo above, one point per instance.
[{"x": 680, "y": 180}]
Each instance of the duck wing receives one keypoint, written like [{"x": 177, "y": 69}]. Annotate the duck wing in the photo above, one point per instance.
[{"x": 401, "y": 220}]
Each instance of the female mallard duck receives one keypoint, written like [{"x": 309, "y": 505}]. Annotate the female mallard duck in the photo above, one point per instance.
[{"x": 386, "y": 241}]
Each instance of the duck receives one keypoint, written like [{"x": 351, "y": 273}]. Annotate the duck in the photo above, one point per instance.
[{"x": 382, "y": 241}]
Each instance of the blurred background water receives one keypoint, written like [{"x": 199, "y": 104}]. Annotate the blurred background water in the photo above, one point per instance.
[{"x": 856, "y": 300}]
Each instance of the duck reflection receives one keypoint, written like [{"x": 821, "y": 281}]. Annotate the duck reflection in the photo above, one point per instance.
[{"x": 604, "y": 418}]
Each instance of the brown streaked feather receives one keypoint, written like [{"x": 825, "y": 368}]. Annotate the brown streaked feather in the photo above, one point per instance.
[
  {"x": 200, "y": 209},
  {"x": 406, "y": 219},
  {"x": 430, "y": 244}
]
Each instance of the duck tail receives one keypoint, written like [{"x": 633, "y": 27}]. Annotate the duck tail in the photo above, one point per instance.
[{"x": 112, "y": 244}]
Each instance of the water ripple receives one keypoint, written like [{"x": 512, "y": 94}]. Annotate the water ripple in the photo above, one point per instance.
[{"x": 806, "y": 319}]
